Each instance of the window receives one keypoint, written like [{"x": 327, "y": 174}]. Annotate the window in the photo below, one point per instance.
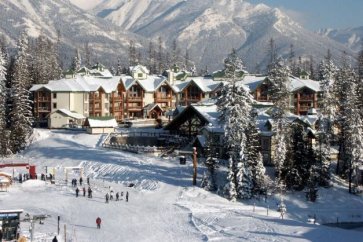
[
  {"x": 54, "y": 95},
  {"x": 54, "y": 105},
  {"x": 139, "y": 75}
]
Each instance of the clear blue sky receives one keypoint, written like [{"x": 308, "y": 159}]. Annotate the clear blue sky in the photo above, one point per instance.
[{"x": 316, "y": 14}]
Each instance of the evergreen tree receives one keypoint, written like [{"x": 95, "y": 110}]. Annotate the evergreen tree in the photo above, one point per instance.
[
  {"x": 300, "y": 159},
  {"x": 350, "y": 122},
  {"x": 119, "y": 68},
  {"x": 235, "y": 106},
  {"x": 3, "y": 98},
  {"x": 279, "y": 78},
  {"x": 360, "y": 81},
  {"x": 253, "y": 157},
  {"x": 160, "y": 57},
  {"x": 233, "y": 66},
  {"x": 76, "y": 62},
  {"x": 21, "y": 117},
  {"x": 230, "y": 191},
  {"x": 327, "y": 73},
  {"x": 209, "y": 179},
  {"x": 87, "y": 52}
]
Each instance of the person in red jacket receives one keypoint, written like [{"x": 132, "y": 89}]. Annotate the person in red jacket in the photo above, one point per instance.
[{"x": 98, "y": 222}]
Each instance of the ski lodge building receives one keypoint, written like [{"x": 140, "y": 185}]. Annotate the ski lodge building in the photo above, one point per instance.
[{"x": 96, "y": 93}]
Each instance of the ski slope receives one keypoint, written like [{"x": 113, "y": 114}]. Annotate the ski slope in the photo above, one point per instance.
[{"x": 163, "y": 206}]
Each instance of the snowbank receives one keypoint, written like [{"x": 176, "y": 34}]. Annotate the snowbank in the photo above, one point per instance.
[{"x": 33, "y": 184}]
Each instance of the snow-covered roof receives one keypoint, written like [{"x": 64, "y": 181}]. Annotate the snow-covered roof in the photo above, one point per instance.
[
  {"x": 102, "y": 123},
  {"x": 209, "y": 112},
  {"x": 139, "y": 68},
  {"x": 205, "y": 84},
  {"x": 297, "y": 84},
  {"x": 252, "y": 81},
  {"x": 71, "y": 114},
  {"x": 80, "y": 84},
  {"x": 151, "y": 83}
]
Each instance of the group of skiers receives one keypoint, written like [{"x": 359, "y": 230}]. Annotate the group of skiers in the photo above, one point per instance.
[
  {"x": 109, "y": 197},
  {"x": 89, "y": 191}
]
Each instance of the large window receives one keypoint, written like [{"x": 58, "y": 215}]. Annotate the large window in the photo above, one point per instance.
[
  {"x": 54, "y": 105},
  {"x": 54, "y": 95},
  {"x": 135, "y": 91},
  {"x": 194, "y": 92}
]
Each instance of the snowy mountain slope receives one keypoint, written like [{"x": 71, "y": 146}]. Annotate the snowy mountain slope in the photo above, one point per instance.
[
  {"x": 86, "y": 4},
  {"x": 76, "y": 27},
  {"x": 163, "y": 205},
  {"x": 210, "y": 28},
  {"x": 351, "y": 37}
]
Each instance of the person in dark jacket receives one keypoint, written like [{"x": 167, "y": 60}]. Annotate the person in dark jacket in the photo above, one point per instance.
[
  {"x": 55, "y": 239},
  {"x": 89, "y": 192},
  {"x": 107, "y": 197},
  {"x": 117, "y": 196},
  {"x": 80, "y": 181},
  {"x": 127, "y": 196},
  {"x": 77, "y": 191},
  {"x": 84, "y": 191},
  {"x": 98, "y": 222}
]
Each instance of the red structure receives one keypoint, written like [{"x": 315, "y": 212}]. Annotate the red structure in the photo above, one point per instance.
[{"x": 31, "y": 168}]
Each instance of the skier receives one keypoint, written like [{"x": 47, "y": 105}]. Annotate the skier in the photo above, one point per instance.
[
  {"x": 117, "y": 196},
  {"x": 84, "y": 191},
  {"x": 122, "y": 194},
  {"x": 127, "y": 196},
  {"x": 98, "y": 222},
  {"x": 89, "y": 192},
  {"x": 88, "y": 181},
  {"x": 111, "y": 195},
  {"x": 80, "y": 181},
  {"x": 77, "y": 191},
  {"x": 107, "y": 197},
  {"x": 55, "y": 239}
]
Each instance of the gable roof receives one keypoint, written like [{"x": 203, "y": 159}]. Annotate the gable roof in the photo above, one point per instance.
[
  {"x": 203, "y": 83},
  {"x": 71, "y": 114},
  {"x": 138, "y": 68},
  {"x": 297, "y": 84},
  {"x": 253, "y": 81},
  {"x": 80, "y": 84}
]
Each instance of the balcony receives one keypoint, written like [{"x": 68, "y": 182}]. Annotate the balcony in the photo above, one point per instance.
[
  {"x": 191, "y": 99},
  {"x": 134, "y": 99},
  {"x": 43, "y": 99},
  {"x": 43, "y": 109},
  {"x": 307, "y": 98}
]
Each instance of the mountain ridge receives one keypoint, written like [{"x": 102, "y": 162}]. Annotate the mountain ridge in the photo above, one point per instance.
[{"x": 222, "y": 24}]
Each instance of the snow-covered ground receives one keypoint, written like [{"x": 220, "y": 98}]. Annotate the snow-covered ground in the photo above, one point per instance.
[{"x": 163, "y": 206}]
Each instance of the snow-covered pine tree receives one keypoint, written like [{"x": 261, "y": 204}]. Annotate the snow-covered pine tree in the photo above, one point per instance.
[
  {"x": 21, "y": 116},
  {"x": 235, "y": 106},
  {"x": 3, "y": 98},
  {"x": 87, "y": 54},
  {"x": 53, "y": 65},
  {"x": 360, "y": 81},
  {"x": 253, "y": 156},
  {"x": 209, "y": 179},
  {"x": 76, "y": 62},
  {"x": 230, "y": 191},
  {"x": 279, "y": 78},
  {"x": 327, "y": 74},
  {"x": 233, "y": 67},
  {"x": 350, "y": 122}
]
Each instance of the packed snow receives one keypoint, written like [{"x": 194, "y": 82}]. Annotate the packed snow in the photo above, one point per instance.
[{"x": 163, "y": 205}]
